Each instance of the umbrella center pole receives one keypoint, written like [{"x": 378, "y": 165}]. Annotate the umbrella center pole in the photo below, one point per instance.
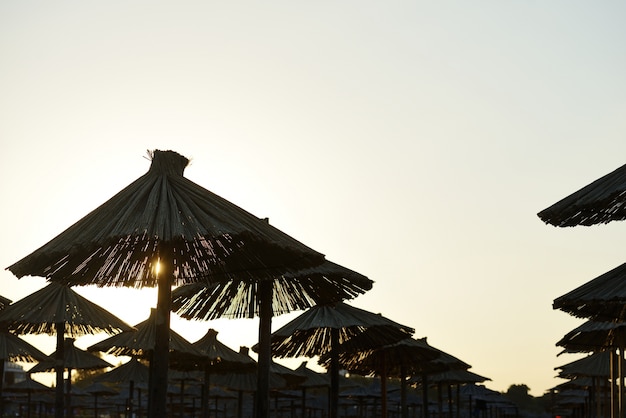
[
  {"x": 157, "y": 398},
  {"x": 59, "y": 369},
  {"x": 265, "y": 294},
  {"x": 334, "y": 373}
]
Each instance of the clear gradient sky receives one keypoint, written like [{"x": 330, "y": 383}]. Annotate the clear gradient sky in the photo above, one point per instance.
[{"x": 411, "y": 141}]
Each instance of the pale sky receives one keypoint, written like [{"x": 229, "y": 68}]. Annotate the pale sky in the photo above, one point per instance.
[{"x": 411, "y": 141}]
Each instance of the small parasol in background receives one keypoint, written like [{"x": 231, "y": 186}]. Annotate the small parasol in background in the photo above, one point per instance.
[
  {"x": 28, "y": 386},
  {"x": 401, "y": 359},
  {"x": 323, "y": 329},
  {"x": 13, "y": 348},
  {"x": 133, "y": 373},
  {"x": 73, "y": 359},
  {"x": 218, "y": 359},
  {"x": 58, "y": 310},
  {"x": 99, "y": 389},
  {"x": 141, "y": 343},
  {"x": 451, "y": 377}
]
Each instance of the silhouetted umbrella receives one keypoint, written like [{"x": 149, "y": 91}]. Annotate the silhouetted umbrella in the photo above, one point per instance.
[
  {"x": 141, "y": 342},
  {"x": 28, "y": 386},
  {"x": 73, "y": 358},
  {"x": 594, "y": 336},
  {"x": 451, "y": 377},
  {"x": 132, "y": 372},
  {"x": 13, "y": 348},
  {"x": 219, "y": 359},
  {"x": 594, "y": 365},
  {"x": 165, "y": 220},
  {"x": 603, "y": 298},
  {"x": 313, "y": 380},
  {"x": 322, "y": 329},
  {"x": 406, "y": 357},
  {"x": 602, "y": 201},
  {"x": 57, "y": 309},
  {"x": 295, "y": 289},
  {"x": 98, "y": 389}
]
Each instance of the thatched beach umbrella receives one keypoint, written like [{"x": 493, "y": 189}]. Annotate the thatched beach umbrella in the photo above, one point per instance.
[
  {"x": 13, "y": 348},
  {"x": 292, "y": 290},
  {"x": 133, "y": 373},
  {"x": 141, "y": 343},
  {"x": 602, "y": 298},
  {"x": 313, "y": 380},
  {"x": 401, "y": 359},
  {"x": 322, "y": 329},
  {"x": 218, "y": 359},
  {"x": 73, "y": 359},
  {"x": 28, "y": 386},
  {"x": 165, "y": 230},
  {"x": 451, "y": 377},
  {"x": 602, "y": 201},
  {"x": 58, "y": 310},
  {"x": 99, "y": 389}
]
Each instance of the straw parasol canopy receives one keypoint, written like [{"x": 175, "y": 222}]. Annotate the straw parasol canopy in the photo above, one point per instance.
[
  {"x": 310, "y": 334},
  {"x": 165, "y": 230},
  {"x": 219, "y": 359},
  {"x": 57, "y": 309},
  {"x": 603, "y": 298},
  {"x": 75, "y": 358},
  {"x": 140, "y": 342},
  {"x": 133, "y": 370},
  {"x": 401, "y": 359},
  {"x": 594, "y": 365},
  {"x": 292, "y": 290},
  {"x": 28, "y": 386},
  {"x": 13, "y": 348},
  {"x": 602, "y": 201},
  {"x": 322, "y": 329},
  {"x": 208, "y": 236},
  {"x": 594, "y": 336}
]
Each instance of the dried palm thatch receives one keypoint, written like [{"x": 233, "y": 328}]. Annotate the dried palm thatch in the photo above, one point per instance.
[
  {"x": 219, "y": 357},
  {"x": 74, "y": 358},
  {"x": 310, "y": 334},
  {"x": 4, "y": 302},
  {"x": 58, "y": 306},
  {"x": 401, "y": 359},
  {"x": 293, "y": 290},
  {"x": 211, "y": 239},
  {"x": 324, "y": 329},
  {"x": 13, "y": 348},
  {"x": 602, "y": 201},
  {"x": 594, "y": 336},
  {"x": 131, "y": 371},
  {"x": 141, "y": 341},
  {"x": 409, "y": 357},
  {"x": 594, "y": 365},
  {"x": 602, "y": 299},
  {"x": 452, "y": 377}
]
